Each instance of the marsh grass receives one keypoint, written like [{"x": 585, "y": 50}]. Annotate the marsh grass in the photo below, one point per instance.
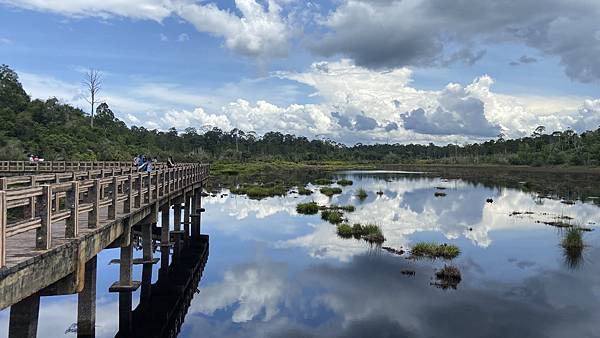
[
  {"x": 434, "y": 250},
  {"x": 344, "y": 230},
  {"x": 439, "y": 194},
  {"x": 260, "y": 191},
  {"x": 332, "y": 216},
  {"x": 347, "y": 208},
  {"x": 369, "y": 232},
  {"x": 310, "y": 208},
  {"x": 329, "y": 191},
  {"x": 573, "y": 239},
  {"x": 303, "y": 191},
  {"x": 361, "y": 194},
  {"x": 323, "y": 181},
  {"x": 344, "y": 182}
]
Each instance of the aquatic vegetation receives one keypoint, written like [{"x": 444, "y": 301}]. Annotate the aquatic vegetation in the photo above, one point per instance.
[
  {"x": 369, "y": 232},
  {"x": 573, "y": 239},
  {"x": 344, "y": 230},
  {"x": 489, "y": 200},
  {"x": 345, "y": 182},
  {"x": 447, "y": 277},
  {"x": 398, "y": 252},
  {"x": 380, "y": 192},
  {"x": 434, "y": 250},
  {"x": 305, "y": 192},
  {"x": 441, "y": 188},
  {"x": 323, "y": 181},
  {"x": 347, "y": 208},
  {"x": 439, "y": 194},
  {"x": 328, "y": 191},
  {"x": 260, "y": 191},
  {"x": 310, "y": 208},
  {"x": 361, "y": 194},
  {"x": 332, "y": 216}
]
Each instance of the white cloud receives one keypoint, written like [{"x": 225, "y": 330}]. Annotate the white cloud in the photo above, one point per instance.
[
  {"x": 139, "y": 9},
  {"x": 261, "y": 30},
  {"x": 252, "y": 288}
]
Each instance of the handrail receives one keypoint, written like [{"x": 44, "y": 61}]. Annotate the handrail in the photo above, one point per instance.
[
  {"x": 51, "y": 198},
  {"x": 66, "y": 166}
]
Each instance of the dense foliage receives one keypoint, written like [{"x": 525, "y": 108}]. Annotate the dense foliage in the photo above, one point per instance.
[{"x": 58, "y": 131}]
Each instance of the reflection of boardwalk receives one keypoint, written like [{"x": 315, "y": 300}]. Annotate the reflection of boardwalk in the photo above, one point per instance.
[{"x": 163, "y": 305}]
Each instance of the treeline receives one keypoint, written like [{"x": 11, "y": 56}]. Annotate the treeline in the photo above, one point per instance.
[{"x": 58, "y": 131}]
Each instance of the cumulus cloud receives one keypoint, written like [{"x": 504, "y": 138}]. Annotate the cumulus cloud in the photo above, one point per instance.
[
  {"x": 389, "y": 33},
  {"x": 260, "y": 31},
  {"x": 456, "y": 113}
]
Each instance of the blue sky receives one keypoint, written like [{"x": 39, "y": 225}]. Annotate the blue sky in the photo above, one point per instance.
[{"x": 350, "y": 70}]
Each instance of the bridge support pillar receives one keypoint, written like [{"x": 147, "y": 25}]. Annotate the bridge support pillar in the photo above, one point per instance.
[
  {"x": 125, "y": 303},
  {"x": 177, "y": 233},
  {"x": 24, "y": 318},
  {"x": 186, "y": 219},
  {"x": 86, "y": 302},
  {"x": 125, "y": 284},
  {"x": 165, "y": 244}
]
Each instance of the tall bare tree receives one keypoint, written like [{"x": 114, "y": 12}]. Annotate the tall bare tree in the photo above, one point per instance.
[{"x": 92, "y": 81}]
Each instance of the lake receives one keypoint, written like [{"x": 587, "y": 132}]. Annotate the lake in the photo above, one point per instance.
[{"x": 272, "y": 272}]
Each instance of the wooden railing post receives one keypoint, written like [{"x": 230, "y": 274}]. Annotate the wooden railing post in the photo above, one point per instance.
[
  {"x": 160, "y": 181},
  {"x": 128, "y": 189},
  {"x": 149, "y": 194},
  {"x": 44, "y": 212},
  {"x": 112, "y": 208},
  {"x": 3, "y": 212},
  {"x": 72, "y": 201},
  {"x": 140, "y": 191},
  {"x": 94, "y": 198}
]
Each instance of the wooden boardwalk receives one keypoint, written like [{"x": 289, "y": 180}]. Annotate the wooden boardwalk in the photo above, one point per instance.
[{"x": 52, "y": 224}]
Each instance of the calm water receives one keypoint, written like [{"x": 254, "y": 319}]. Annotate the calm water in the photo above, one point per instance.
[{"x": 274, "y": 273}]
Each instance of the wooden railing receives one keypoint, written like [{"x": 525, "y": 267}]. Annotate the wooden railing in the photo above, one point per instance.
[
  {"x": 65, "y": 166},
  {"x": 50, "y": 198}
]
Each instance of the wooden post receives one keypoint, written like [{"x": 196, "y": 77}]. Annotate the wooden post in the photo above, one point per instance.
[
  {"x": 128, "y": 186},
  {"x": 140, "y": 190},
  {"x": 44, "y": 212},
  {"x": 149, "y": 196},
  {"x": 112, "y": 208},
  {"x": 3, "y": 212},
  {"x": 186, "y": 218},
  {"x": 30, "y": 211},
  {"x": 94, "y": 198},
  {"x": 72, "y": 203}
]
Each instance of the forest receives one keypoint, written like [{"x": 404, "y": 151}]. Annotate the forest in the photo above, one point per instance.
[{"x": 58, "y": 131}]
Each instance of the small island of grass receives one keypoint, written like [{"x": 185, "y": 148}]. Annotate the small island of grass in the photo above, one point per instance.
[
  {"x": 434, "y": 250},
  {"x": 260, "y": 191},
  {"x": 310, "y": 208},
  {"x": 329, "y": 191},
  {"x": 361, "y": 194},
  {"x": 369, "y": 232},
  {"x": 332, "y": 216},
  {"x": 344, "y": 182},
  {"x": 323, "y": 181}
]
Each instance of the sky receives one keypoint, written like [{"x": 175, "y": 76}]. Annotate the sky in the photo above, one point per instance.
[{"x": 352, "y": 71}]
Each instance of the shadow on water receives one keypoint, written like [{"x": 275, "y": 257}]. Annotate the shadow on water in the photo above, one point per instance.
[{"x": 164, "y": 304}]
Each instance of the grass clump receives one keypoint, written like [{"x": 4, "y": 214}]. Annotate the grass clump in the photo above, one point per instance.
[
  {"x": 361, "y": 194},
  {"x": 573, "y": 239},
  {"x": 310, "y": 208},
  {"x": 332, "y": 216},
  {"x": 344, "y": 182},
  {"x": 344, "y": 230},
  {"x": 323, "y": 181},
  {"x": 328, "y": 191},
  {"x": 347, "y": 208},
  {"x": 260, "y": 191},
  {"x": 369, "y": 232},
  {"x": 434, "y": 250},
  {"x": 305, "y": 192}
]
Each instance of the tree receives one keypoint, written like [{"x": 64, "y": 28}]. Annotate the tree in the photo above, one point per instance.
[{"x": 93, "y": 83}]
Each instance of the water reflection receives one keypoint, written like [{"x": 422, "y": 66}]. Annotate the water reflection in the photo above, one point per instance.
[{"x": 275, "y": 273}]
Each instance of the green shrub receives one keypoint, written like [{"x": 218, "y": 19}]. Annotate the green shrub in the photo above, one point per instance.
[
  {"x": 303, "y": 191},
  {"x": 573, "y": 239},
  {"x": 310, "y": 208},
  {"x": 344, "y": 230},
  {"x": 323, "y": 181},
  {"x": 332, "y": 216},
  {"x": 344, "y": 182},
  {"x": 328, "y": 191}
]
